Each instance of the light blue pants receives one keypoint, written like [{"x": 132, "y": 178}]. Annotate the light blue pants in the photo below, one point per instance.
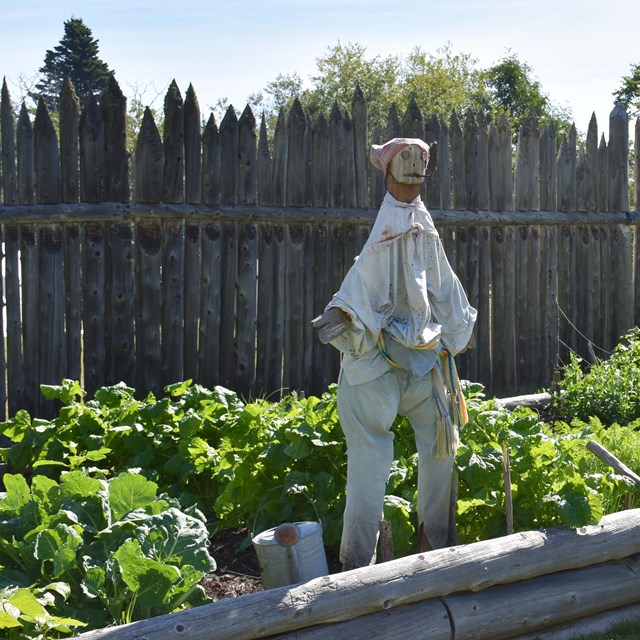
[{"x": 366, "y": 413}]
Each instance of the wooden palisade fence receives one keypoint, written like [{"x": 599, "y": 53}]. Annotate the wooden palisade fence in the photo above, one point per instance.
[{"x": 207, "y": 253}]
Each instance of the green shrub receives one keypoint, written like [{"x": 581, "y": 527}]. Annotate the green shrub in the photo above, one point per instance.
[{"x": 609, "y": 390}]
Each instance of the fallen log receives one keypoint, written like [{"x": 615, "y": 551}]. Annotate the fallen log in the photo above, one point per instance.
[
  {"x": 532, "y": 401},
  {"x": 416, "y": 578},
  {"x": 499, "y": 612}
]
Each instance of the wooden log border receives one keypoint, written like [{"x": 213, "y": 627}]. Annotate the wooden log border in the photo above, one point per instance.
[{"x": 491, "y": 589}]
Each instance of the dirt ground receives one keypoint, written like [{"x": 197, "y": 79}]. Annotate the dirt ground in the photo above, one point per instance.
[{"x": 238, "y": 571}]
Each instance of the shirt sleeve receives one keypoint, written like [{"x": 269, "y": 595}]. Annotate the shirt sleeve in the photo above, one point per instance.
[
  {"x": 364, "y": 295},
  {"x": 449, "y": 304}
]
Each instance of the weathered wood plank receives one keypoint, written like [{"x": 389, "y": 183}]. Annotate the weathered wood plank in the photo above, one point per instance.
[
  {"x": 210, "y": 305},
  {"x": 94, "y": 304},
  {"x": 434, "y": 181},
  {"x": 618, "y": 159},
  {"x": 211, "y": 162},
  {"x": 192, "y": 148},
  {"x": 248, "y": 248},
  {"x": 264, "y": 166},
  {"x": 150, "y": 161},
  {"x": 148, "y": 257},
  {"x": 73, "y": 298},
  {"x": 325, "y": 254},
  {"x": 591, "y": 165},
  {"x": 458, "y": 163},
  {"x": 113, "y": 105},
  {"x": 8, "y": 147},
  {"x": 247, "y": 161},
  {"x": 228, "y": 302},
  {"x": 46, "y": 156},
  {"x": 120, "y": 305},
  {"x": 621, "y": 243},
  {"x": 321, "y": 160},
  {"x": 293, "y": 375},
  {"x": 360, "y": 148},
  {"x": 172, "y": 327},
  {"x": 52, "y": 359},
  {"x": 271, "y": 310},
  {"x": 499, "y": 348},
  {"x": 25, "y": 158},
  {"x": 338, "y": 158},
  {"x": 228, "y": 141},
  {"x": 535, "y": 305},
  {"x": 527, "y": 177},
  {"x": 173, "y": 142},
  {"x": 548, "y": 170},
  {"x": 280, "y": 164},
  {"x": 69, "y": 138},
  {"x": 16, "y": 389},
  {"x": 92, "y": 153},
  {"x": 472, "y": 161},
  {"x": 192, "y": 294}
]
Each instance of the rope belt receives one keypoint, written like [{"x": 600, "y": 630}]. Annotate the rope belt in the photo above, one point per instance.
[{"x": 451, "y": 408}]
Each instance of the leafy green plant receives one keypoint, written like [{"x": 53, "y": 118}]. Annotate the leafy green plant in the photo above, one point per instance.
[
  {"x": 172, "y": 440},
  {"x": 98, "y": 551},
  {"x": 260, "y": 463},
  {"x": 609, "y": 390},
  {"x": 553, "y": 480}
]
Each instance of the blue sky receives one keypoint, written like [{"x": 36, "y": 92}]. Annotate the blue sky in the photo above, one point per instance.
[{"x": 578, "y": 50}]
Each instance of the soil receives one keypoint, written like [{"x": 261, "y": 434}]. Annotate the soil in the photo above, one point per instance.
[{"x": 238, "y": 570}]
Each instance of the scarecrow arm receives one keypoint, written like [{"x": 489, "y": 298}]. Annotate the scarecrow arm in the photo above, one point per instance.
[{"x": 332, "y": 323}]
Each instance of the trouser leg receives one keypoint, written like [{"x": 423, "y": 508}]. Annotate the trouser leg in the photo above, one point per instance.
[
  {"x": 366, "y": 413},
  {"x": 434, "y": 474}
]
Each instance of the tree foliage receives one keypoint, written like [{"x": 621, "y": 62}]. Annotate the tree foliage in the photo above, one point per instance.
[
  {"x": 511, "y": 89},
  {"x": 440, "y": 83},
  {"x": 628, "y": 95},
  {"x": 75, "y": 58}
]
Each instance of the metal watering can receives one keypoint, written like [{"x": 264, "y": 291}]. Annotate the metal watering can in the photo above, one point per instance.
[{"x": 290, "y": 553}]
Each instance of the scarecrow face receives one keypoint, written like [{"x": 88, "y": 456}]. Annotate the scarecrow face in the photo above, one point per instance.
[{"x": 409, "y": 165}]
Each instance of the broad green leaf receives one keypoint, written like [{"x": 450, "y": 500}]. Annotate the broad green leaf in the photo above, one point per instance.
[
  {"x": 578, "y": 507},
  {"x": 130, "y": 491},
  {"x": 27, "y": 603},
  {"x": 173, "y": 536},
  {"x": 68, "y": 392},
  {"x": 60, "y": 546},
  {"x": 17, "y": 493},
  {"x": 148, "y": 579},
  {"x": 7, "y": 621},
  {"x": 77, "y": 484},
  {"x": 46, "y": 492}
]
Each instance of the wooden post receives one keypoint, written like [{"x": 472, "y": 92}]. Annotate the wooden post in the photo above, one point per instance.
[
  {"x": 508, "y": 499},
  {"x": 612, "y": 461}
]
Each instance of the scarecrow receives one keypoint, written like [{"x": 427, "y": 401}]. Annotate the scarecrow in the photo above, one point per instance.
[{"x": 399, "y": 318}]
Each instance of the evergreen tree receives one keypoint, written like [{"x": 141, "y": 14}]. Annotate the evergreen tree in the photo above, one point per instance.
[{"x": 76, "y": 58}]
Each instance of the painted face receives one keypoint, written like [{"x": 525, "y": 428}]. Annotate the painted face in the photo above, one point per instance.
[{"x": 409, "y": 166}]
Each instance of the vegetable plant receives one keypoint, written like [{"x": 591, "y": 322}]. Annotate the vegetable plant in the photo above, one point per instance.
[{"x": 91, "y": 552}]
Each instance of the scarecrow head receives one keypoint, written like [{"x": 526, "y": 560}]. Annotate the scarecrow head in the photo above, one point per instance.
[{"x": 405, "y": 160}]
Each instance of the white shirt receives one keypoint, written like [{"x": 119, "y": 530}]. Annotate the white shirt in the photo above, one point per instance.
[{"x": 401, "y": 282}]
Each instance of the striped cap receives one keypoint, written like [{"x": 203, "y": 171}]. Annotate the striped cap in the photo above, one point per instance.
[{"x": 382, "y": 154}]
